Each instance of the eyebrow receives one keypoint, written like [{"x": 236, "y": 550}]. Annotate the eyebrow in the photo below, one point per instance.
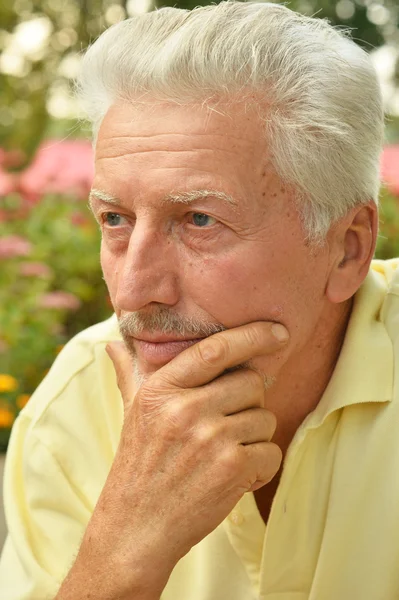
[
  {"x": 173, "y": 198},
  {"x": 192, "y": 196},
  {"x": 104, "y": 197}
]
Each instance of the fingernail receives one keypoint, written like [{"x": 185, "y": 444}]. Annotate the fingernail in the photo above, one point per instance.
[{"x": 280, "y": 332}]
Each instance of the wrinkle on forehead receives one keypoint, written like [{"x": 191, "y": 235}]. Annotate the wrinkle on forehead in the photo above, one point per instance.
[
  {"x": 164, "y": 119},
  {"x": 204, "y": 148}
]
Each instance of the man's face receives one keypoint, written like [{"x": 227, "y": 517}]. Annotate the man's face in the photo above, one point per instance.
[{"x": 206, "y": 236}]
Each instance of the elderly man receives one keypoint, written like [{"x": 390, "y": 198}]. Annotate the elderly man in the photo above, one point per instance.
[{"x": 252, "y": 449}]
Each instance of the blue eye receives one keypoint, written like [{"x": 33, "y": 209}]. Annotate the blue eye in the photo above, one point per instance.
[
  {"x": 112, "y": 219},
  {"x": 201, "y": 220}
]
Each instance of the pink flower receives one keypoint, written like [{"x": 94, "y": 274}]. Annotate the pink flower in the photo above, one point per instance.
[
  {"x": 14, "y": 245},
  {"x": 59, "y": 300},
  {"x": 390, "y": 168},
  {"x": 35, "y": 269},
  {"x": 60, "y": 166},
  {"x": 8, "y": 183}
]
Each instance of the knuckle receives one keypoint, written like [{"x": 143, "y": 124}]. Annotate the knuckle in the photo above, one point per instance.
[
  {"x": 253, "y": 380},
  {"x": 271, "y": 463},
  {"x": 176, "y": 415},
  {"x": 181, "y": 414},
  {"x": 230, "y": 462},
  {"x": 206, "y": 434},
  {"x": 254, "y": 335},
  {"x": 270, "y": 421},
  {"x": 212, "y": 349}
]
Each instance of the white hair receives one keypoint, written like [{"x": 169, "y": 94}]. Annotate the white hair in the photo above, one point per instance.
[{"x": 317, "y": 91}]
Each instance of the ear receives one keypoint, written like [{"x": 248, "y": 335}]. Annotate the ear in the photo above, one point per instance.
[{"x": 352, "y": 244}]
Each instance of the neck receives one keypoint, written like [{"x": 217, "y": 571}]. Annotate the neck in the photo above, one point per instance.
[{"x": 303, "y": 379}]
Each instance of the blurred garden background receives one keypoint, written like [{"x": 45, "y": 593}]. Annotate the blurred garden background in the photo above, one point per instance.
[{"x": 51, "y": 285}]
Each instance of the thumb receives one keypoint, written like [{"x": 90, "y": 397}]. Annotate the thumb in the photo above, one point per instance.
[{"x": 122, "y": 362}]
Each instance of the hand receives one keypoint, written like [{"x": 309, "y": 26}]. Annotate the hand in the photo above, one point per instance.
[{"x": 194, "y": 440}]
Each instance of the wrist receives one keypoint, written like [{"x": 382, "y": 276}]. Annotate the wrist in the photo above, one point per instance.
[
  {"x": 98, "y": 581},
  {"x": 116, "y": 570}
]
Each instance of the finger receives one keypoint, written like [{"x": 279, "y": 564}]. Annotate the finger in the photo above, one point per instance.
[
  {"x": 122, "y": 362},
  {"x": 233, "y": 392},
  {"x": 265, "y": 458},
  {"x": 204, "y": 361},
  {"x": 252, "y": 426}
]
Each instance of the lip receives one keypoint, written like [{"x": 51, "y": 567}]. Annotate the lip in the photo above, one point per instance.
[
  {"x": 160, "y": 338},
  {"x": 159, "y": 350}
]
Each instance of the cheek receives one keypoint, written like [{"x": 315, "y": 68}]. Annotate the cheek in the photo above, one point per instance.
[
  {"x": 110, "y": 269},
  {"x": 234, "y": 293}
]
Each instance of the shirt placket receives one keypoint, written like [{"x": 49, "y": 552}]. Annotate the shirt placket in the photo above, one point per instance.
[{"x": 246, "y": 531}]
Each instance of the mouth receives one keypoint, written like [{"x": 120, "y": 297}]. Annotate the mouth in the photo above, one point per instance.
[
  {"x": 164, "y": 338},
  {"x": 158, "y": 349}
]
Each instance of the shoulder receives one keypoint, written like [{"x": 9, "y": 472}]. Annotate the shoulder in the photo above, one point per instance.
[
  {"x": 76, "y": 356},
  {"x": 61, "y": 449},
  {"x": 78, "y": 403},
  {"x": 387, "y": 272}
]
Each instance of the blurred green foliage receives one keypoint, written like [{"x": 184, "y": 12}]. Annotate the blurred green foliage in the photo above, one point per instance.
[
  {"x": 50, "y": 289},
  {"x": 388, "y": 238}
]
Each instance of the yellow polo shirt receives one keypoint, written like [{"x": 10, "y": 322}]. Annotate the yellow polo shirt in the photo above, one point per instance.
[{"x": 333, "y": 532}]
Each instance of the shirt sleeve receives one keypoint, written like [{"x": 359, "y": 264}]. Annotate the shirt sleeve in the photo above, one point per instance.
[{"x": 46, "y": 519}]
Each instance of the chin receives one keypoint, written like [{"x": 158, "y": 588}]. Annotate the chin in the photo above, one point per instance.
[{"x": 139, "y": 376}]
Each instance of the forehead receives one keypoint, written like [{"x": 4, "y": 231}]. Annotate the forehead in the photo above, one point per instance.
[
  {"x": 176, "y": 136},
  {"x": 159, "y": 148},
  {"x": 236, "y": 122}
]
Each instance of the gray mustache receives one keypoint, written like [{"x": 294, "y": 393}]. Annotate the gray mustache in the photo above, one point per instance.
[{"x": 166, "y": 321}]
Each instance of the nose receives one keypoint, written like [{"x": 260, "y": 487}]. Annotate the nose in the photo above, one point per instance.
[{"x": 148, "y": 274}]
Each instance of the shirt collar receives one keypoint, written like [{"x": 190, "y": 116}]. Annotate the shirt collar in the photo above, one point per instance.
[{"x": 365, "y": 367}]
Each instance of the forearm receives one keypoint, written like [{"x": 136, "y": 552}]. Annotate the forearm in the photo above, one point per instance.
[
  {"x": 74, "y": 588},
  {"x": 104, "y": 583},
  {"x": 98, "y": 574}
]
